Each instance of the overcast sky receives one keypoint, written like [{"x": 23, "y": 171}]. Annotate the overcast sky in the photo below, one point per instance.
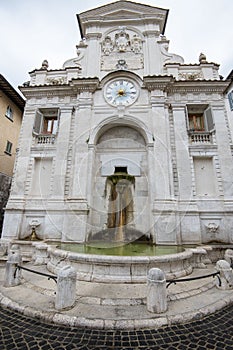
[{"x": 34, "y": 30}]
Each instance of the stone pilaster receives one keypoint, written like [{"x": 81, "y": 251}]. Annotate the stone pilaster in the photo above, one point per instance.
[
  {"x": 162, "y": 157},
  {"x": 62, "y": 152},
  {"x": 150, "y": 52},
  {"x": 25, "y": 142},
  {"x": 182, "y": 152},
  {"x": 224, "y": 151},
  {"x": 93, "y": 67}
]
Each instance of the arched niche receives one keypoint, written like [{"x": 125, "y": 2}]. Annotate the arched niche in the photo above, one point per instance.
[{"x": 119, "y": 147}]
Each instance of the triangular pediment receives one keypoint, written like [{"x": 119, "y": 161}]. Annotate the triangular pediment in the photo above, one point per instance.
[{"x": 121, "y": 10}]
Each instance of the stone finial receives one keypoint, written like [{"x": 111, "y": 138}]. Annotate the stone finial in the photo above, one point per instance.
[
  {"x": 45, "y": 65},
  {"x": 202, "y": 58}
]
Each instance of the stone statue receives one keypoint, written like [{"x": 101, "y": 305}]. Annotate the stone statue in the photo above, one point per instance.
[
  {"x": 122, "y": 40},
  {"x": 107, "y": 45},
  {"x": 136, "y": 44}
]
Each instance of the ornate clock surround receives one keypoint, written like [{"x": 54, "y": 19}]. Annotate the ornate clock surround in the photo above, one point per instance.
[{"x": 121, "y": 91}]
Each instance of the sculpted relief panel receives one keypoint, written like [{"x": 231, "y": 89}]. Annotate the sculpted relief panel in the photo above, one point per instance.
[{"x": 121, "y": 49}]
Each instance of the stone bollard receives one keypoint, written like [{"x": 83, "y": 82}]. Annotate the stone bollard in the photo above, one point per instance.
[
  {"x": 12, "y": 276},
  {"x": 156, "y": 291},
  {"x": 66, "y": 288},
  {"x": 226, "y": 275},
  {"x": 198, "y": 254},
  {"x": 40, "y": 255},
  {"x": 228, "y": 256}
]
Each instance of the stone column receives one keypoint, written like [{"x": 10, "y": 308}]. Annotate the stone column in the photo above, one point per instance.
[
  {"x": 66, "y": 288},
  {"x": 12, "y": 276},
  {"x": 156, "y": 291}
]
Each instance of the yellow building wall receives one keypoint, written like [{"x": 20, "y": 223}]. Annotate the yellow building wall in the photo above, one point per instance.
[{"x": 9, "y": 131}]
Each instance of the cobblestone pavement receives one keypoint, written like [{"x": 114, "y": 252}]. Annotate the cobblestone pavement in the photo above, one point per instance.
[{"x": 21, "y": 332}]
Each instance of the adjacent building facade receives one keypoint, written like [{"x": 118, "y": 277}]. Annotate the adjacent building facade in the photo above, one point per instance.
[
  {"x": 125, "y": 140},
  {"x": 11, "y": 114}
]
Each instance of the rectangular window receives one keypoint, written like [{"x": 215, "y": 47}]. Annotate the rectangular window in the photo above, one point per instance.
[
  {"x": 46, "y": 121},
  {"x": 9, "y": 113},
  {"x": 8, "y": 147},
  {"x": 50, "y": 125},
  {"x": 196, "y": 122},
  {"x": 230, "y": 99},
  {"x": 200, "y": 118}
]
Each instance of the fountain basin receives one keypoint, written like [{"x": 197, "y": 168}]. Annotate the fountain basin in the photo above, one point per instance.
[{"x": 119, "y": 269}]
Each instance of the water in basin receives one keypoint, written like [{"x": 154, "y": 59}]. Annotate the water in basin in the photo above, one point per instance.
[{"x": 130, "y": 249}]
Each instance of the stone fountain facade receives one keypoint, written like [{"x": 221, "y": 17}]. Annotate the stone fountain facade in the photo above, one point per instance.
[{"x": 124, "y": 104}]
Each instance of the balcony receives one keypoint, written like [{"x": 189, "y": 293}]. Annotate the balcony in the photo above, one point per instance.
[
  {"x": 201, "y": 137},
  {"x": 44, "y": 139}
]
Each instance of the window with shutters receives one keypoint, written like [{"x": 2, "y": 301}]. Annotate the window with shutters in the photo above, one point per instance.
[
  {"x": 8, "y": 148},
  {"x": 46, "y": 121},
  {"x": 230, "y": 99},
  {"x": 200, "y": 118}
]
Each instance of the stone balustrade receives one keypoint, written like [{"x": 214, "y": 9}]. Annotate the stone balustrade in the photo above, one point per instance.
[
  {"x": 200, "y": 138},
  {"x": 45, "y": 139}
]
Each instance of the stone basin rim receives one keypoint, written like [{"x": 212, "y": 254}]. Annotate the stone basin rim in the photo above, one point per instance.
[{"x": 187, "y": 253}]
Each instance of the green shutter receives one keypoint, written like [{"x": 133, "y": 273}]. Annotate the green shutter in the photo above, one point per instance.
[{"x": 230, "y": 99}]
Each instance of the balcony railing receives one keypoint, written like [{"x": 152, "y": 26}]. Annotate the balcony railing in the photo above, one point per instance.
[
  {"x": 45, "y": 139},
  {"x": 200, "y": 137}
]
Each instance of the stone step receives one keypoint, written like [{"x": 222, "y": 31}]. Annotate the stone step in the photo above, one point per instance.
[{"x": 112, "y": 306}]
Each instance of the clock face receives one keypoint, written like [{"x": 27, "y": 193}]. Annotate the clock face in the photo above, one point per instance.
[{"x": 121, "y": 92}]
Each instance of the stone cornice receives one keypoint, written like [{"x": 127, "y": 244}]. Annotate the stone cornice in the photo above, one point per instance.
[
  {"x": 159, "y": 82},
  {"x": 124, "y": 6},
  {"x": 122, "y": 11},
  {"x": 169, "y": 84},
  {"x": 46, "y": 90},
  {"x": 95, "y": 36},
  {"x": 85, "y": 84},
  {"x": 198, "y": 86},
  {"x": 151, "y": 33},
  {"x": 75, "y": 86}
]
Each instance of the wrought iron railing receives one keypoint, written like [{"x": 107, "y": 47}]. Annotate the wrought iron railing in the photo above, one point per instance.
[
  {"x": 215, "y": 274},
  {"x": 19, "y": 267}
]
